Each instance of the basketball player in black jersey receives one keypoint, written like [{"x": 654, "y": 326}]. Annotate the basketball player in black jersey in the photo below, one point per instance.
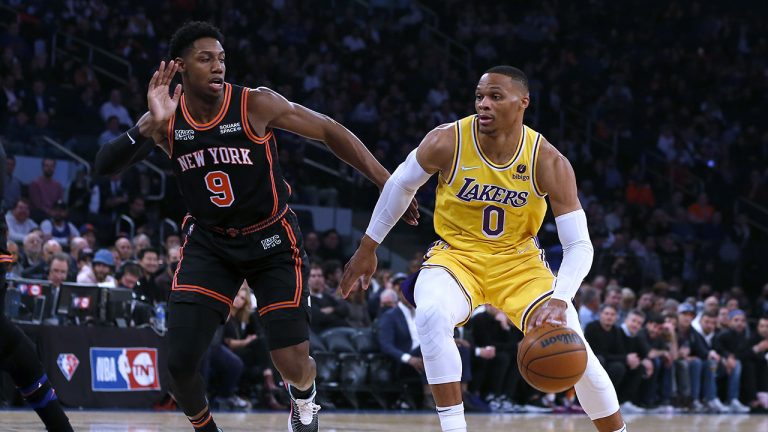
[
  {"x": 17, "y": 352},
  {"x": 220, "y": 139}
]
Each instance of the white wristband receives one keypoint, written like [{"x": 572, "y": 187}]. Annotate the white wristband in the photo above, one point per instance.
[
  {"x": 577, "y": 254},
  {"x": 405, "y": 358}
]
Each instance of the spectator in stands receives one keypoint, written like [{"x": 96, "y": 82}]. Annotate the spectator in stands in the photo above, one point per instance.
[
  {"x": 590, "y": 307},
  {"x": 130, "y": 274},
  {"x": 398, "y": 339},
  {"x": 40, "y": 100},
  {"x": 150, "y": 264},
  {"x": 172, "y": 240},
  {"x": 627, "y": 304},
  {"x": 164, "y": 280},
  {"x": 613, "y": 297},
  {"x": 388, "y": 301},
  {"x": 141, "y": 241},
  {"x": 109, "y": 197},
  {"x": 124, "y": 248},
  {"x": 113, "y": 131},
  {"x": 58, "y": 227},
  {"x": 715, "y": 365},
  {"x": 639, "y": 366},
  {"x": 494, "y": 364},
  {"x": 114, "y": 108},
  {"x": 606, "y": 341},
  {"x": 137, "y": 211},
  {"x": 12, "y": 184},
  {"x": 711, "y": 304},
  {"x": 312, "y": 245},
  {"x": 701, "y": 211},
  {"x": 103, "y": 267},
  {"x": 331, "y": 248},
  {"x": 723, "y": 318},
  {"x": 332, "y": 271},
  {"x": 15, "y": 267},
  {"x": 661, "y": 339},
  {"x": 358, "y": 310},
  {"x": 244, "y": 335},
  {"x": 18, "y": 221},
  {"x": 327, "y": 311},
  {"x": 32, "y": 262},
  {"x": 57, "y": 274},
  {"x": 45, "y": 190},
  {"x": 223, "y": 367},
  {"x": 757, "y": 364},
  {"x": 51, "y": 248},
  {"x": 691, "y": 359},
  {"x": 733, "y": 346}
]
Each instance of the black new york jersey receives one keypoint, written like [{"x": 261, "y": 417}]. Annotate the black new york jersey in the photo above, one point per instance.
[{"x": 229, "y": 176}]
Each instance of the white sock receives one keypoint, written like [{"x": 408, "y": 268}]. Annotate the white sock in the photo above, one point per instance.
[
  {"x": 452, "y": 418},
  {"x": 622, "y": 429}
]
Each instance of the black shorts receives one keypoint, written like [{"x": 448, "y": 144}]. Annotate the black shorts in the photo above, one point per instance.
[{"x": 213, "y": 266}]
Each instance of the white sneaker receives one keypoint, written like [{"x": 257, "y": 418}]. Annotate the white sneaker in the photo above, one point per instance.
[
  {"x": 630, "y": 408},
  {"x": 533, "y": 409},
  {"x": 303, "y": 416},
  {"x": 663, "y": 409},
  {"x": 737, "y": 407},
  {"x": 698, "y": 407},
  {"x": 716, "y": 406}
]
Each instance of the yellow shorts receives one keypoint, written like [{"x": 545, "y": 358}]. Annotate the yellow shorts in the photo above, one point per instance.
[{"x": 514, "y": 282}]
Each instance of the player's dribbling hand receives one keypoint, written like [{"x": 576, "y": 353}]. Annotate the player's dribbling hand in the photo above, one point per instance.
[
  {"x": 360, "y": 268},
  {"x": 411, "y": 216},
  {"x": 552, "y": 312}
]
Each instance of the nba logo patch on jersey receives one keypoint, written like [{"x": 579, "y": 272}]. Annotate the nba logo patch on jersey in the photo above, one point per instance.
[
  {"x": 521, "y": 168},
  {"x": 67, "y": 365},
  {"x": 184, "y": 134},
  {"x": 124, "y": 369}
]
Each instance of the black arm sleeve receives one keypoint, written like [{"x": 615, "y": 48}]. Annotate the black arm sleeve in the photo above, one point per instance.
[{"x": 122, "y": 152}]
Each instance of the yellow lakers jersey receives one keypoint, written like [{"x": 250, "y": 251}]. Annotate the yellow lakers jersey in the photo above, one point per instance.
[{"x": 484, "y": 207}]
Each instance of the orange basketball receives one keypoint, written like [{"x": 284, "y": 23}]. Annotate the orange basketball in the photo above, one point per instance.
[{"x": 552, "y": 359}]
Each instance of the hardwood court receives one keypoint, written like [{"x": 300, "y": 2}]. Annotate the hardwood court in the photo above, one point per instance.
[{"x": 142, "y": 421}]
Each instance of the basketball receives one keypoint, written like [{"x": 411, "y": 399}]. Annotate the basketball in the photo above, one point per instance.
[{"x": 552, "y": 359}]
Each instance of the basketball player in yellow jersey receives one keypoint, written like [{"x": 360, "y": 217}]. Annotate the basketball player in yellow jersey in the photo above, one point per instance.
[{"x": 494, "y": 174}]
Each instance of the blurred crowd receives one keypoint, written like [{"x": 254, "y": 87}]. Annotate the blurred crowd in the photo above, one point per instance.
[{"x": 661, "y": 123}]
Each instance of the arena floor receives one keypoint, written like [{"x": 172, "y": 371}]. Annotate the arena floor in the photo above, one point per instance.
[{"x": 142, "y": 421}]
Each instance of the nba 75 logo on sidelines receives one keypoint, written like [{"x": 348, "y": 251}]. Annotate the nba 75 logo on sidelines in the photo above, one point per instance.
[
  {"x": 124, "y": 369},
  {"x": 67, "y": 365}
]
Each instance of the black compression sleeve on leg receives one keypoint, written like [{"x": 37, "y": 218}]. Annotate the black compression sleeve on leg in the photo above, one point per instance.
[
  {"x": 120, "y": 153},
  {"x": 190, "y": 330},
  {"x": 18, "y": 358}
]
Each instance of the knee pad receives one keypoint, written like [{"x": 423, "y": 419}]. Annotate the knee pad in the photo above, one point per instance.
[{"x": 435, "y": 329}]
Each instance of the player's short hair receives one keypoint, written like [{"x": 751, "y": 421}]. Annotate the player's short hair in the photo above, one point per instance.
[
  {"x": 512, "y": 72},
  {"x": 187, "y": 34}
]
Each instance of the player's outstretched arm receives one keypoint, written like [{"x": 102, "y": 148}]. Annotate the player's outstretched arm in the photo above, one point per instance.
[
  {"x": 556, "y": 177},
  {"x": 275, "y": 111},
  {"x": 135, "y": 144},
  {"x": 433, "y": 154}
]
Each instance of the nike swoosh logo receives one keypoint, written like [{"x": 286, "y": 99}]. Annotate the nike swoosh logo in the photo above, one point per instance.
[
  {"x": 443, "y": 410},
  {"x": 133, "y": 141},
  {"x": 466, "y": 168}
]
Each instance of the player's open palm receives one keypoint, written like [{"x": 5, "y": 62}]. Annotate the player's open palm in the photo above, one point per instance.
[
  {"x": 161, "y": 104},
  {"x": 358, "y": 271}
]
